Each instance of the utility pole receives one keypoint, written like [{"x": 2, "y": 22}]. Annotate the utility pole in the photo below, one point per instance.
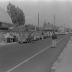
[
  {"x": 38, "y": 20},
  {"x": 54, "y": 22},
  {"x": 64, "y": 27}
]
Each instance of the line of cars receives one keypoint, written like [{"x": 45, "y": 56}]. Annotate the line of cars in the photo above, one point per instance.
[{"x": 28, "y": 37}]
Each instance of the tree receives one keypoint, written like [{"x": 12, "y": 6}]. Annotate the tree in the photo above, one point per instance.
[{"x": 16, "y": 14}]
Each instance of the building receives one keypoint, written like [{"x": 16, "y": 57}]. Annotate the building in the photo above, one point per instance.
[
  {"x": 5, "y": 24},
  {"x": 5, "y": 20},
  {"x": 48, "y": 26}
]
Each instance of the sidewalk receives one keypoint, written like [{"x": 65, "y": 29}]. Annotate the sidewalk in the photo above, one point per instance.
[
  {"x": 64, "y": 62},
  {"x": 3, "y": 44}
]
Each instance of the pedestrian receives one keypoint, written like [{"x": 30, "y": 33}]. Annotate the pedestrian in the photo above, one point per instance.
[
  {"x": 54, "y": 37},
  {"x": 42, "y": 35}
]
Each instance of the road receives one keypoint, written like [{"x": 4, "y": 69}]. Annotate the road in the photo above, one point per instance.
[{"x": 14, "y": 54}]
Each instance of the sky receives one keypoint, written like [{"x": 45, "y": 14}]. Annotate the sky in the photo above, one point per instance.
[
  {"x": 35, "y": 0},
  {"x": 61, "y": 9}
]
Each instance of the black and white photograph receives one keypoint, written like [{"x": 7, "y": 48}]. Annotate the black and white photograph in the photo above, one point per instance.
[{"x": 35, "y": 35}]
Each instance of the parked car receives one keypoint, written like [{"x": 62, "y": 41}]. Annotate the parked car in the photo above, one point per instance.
[
  {"x": 22, "y": 38},
  {"x": 28, "y": 37}
]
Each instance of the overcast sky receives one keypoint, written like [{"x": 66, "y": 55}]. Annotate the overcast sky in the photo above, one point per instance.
[{"x": 46, "y": 8}]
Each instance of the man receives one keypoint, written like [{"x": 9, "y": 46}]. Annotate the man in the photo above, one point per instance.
[{"x": 54, "y": 37}]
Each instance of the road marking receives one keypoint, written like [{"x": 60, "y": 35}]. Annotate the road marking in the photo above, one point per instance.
[{"x": 18, "y": 65}]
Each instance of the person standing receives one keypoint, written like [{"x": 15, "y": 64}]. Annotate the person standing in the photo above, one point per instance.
[{"x": 54, "y": 37}]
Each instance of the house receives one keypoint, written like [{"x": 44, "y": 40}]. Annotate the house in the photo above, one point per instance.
[
  {"x": 5, "y": 20},
  {"x": 5, "y": 24}
]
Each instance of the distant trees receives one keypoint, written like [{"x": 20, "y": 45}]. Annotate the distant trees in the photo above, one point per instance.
[{"x": 16, "y": 14}]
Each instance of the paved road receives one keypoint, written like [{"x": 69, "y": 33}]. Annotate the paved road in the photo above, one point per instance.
[
  {"x": 43, "y": 61},
  {"x": 11, "y": 55}
]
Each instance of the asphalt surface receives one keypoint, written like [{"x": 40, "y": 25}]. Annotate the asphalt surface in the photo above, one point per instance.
[{"x": 13, "y": 54}]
